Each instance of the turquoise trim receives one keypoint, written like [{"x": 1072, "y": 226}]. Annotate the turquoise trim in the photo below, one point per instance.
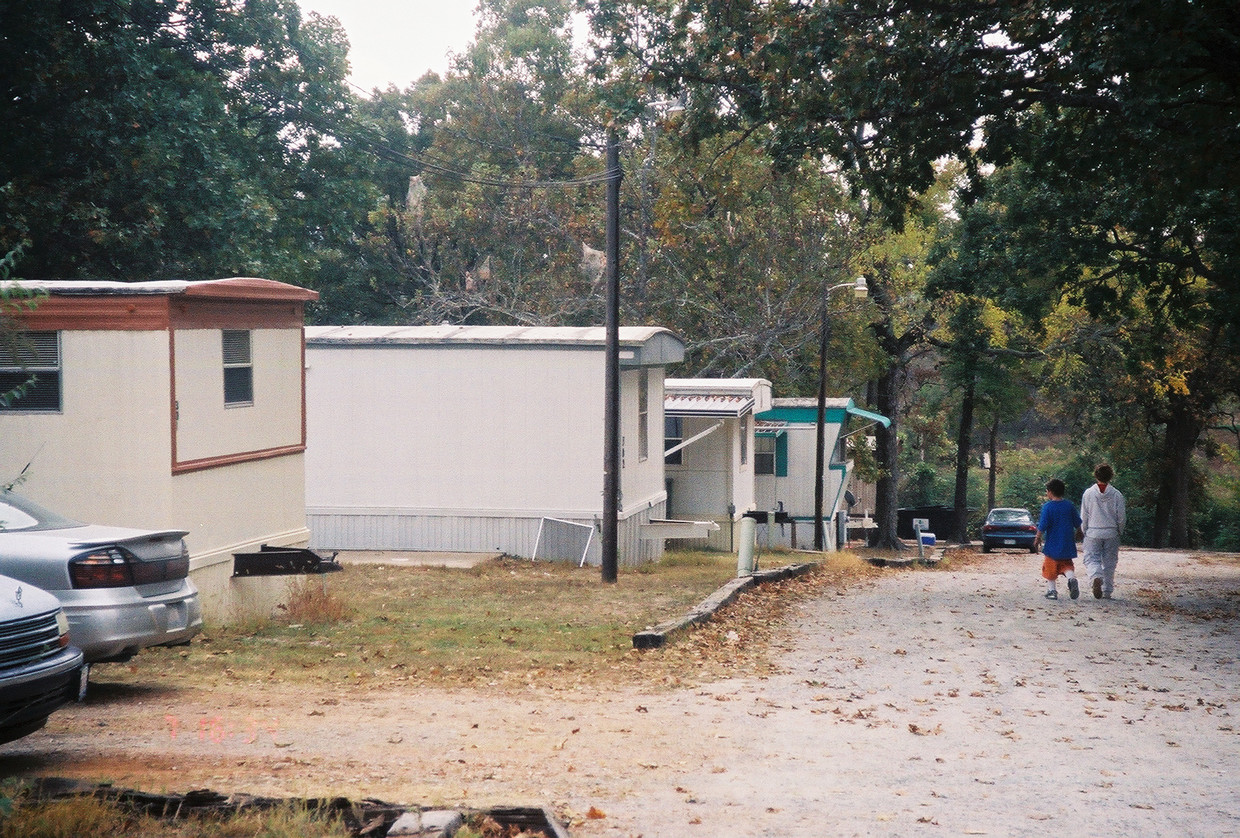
[
  {"x": 802, "y": 415},
  {"x": 874, "y": 417},
  {"x": 781, "y": 455},
  {"x": 809, "y": 415}
]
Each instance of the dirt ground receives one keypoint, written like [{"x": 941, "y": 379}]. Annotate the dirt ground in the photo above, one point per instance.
[{"x": 953, "y": 702}]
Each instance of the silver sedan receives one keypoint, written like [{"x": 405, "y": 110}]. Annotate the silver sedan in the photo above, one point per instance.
[{"x": 122, "y": 589}]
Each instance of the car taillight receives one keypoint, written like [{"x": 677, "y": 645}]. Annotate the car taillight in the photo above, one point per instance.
[
  {"x": 116, "y": 568},
  {"x": 62, "y": 623},
  {"x": 109, "y": 568}
]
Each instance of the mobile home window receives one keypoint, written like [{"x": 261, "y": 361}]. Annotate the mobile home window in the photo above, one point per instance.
[
  {"x": 764, "y": 454},
  {"x": 643, "y": 416},
  {"x": 770, "y": 454},
  {"x": 30, "y": 372},
  {"x": 673, "y": 435},
  {"x": 238, "y": 368}
]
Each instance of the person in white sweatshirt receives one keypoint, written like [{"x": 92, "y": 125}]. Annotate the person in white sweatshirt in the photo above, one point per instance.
[{"x": 1102, "y": 520}]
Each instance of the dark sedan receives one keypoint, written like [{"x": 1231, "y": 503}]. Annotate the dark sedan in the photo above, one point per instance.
[{"x": 1010, "y": 528}]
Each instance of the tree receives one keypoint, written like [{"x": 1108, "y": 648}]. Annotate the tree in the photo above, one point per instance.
[
  {"x": 154, "y": 140},
  {"x": 901, "y": 322},
  {"x": 13, "y": 300},
  {"x": 986, "y": 356},
  {"x": 1027, "y": 246},
  {"x": 736, "y": 259},
  {"x": 1149, "y": 86},
  {"x": 1122, "y": 116},
  {"x": 492, "y": 189},
  {"x": 1164, "y": 385}
]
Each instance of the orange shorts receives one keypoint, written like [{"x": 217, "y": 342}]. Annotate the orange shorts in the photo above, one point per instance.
[{"x": 1054, "y": 568}]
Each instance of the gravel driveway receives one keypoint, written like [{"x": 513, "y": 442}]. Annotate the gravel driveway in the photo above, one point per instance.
[
  {"x": 949, "y": 702},
  {"x": 964, "y": 703}
]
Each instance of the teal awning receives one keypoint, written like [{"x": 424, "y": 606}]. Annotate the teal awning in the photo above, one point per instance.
[{"x": 865, "y": 414}]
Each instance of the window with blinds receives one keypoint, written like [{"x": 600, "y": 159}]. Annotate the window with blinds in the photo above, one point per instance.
[
  {"x": 764, "y": 454},
  {"x": 673, "y": 435},
  {"x": 238, "y": 368},
  {"x": 30, "y": 372},
  {"x": 643, "y": 416}
]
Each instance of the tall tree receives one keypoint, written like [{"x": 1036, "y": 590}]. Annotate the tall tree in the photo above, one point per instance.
[
  {"x": 169, "y": 139},
  {"x": 493, "y": 191},
  {"x": 902, "y": 321},
  {"x": 986, "y": 357},
  {"x": 1124, "y": 115}
]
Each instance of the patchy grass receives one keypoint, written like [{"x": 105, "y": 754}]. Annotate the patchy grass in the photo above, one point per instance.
[
  {"x": 501, "y": 624},
  {"x": 75, "y": 817}
]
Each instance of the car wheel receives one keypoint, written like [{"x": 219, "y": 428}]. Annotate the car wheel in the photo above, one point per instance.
[
  {"x": 985, "y": 547},
  {"x": 1032, "y": 548}
]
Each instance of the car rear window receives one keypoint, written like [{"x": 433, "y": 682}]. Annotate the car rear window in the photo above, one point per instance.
[
  {"x": 17, "y": 513},
  {"x": 1005, "y": 516}
]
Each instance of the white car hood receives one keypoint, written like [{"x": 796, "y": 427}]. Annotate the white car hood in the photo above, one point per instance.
[{"x": 19, "y": 599}]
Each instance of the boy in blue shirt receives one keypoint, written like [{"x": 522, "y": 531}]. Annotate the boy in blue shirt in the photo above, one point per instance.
[{"x": 1057, "y": 528}]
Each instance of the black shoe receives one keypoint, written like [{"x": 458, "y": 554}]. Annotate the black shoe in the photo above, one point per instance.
[
  {"x": 1052, "y": 594},
  {"x": 1074, "y": 589}
]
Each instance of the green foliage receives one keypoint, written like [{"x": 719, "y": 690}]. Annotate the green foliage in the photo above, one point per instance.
[
  {"x": 925, "y": 485},
  {"x": 153, "y": 140},
  {"x": 13, "y": 300},
  {"x": 1106, "y": 123}
]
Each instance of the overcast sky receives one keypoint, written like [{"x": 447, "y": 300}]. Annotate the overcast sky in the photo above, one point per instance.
[{"x": 397, "y": 41}]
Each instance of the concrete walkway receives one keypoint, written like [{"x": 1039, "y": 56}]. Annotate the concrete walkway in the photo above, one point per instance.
[{"x": 413, "y": 558}]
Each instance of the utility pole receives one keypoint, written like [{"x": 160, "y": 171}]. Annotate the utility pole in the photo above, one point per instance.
[{"x": 611, "y": 384}]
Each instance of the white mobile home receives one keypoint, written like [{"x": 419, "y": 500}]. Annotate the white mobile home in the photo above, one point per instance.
[
  {"x": 476, "y": 438},
  {"x": 709, "y": 450},
  {"x": 165, "y": 405},
  {"x": 786, "y": 439}
]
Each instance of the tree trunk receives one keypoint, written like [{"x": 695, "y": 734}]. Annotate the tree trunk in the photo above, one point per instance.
[
  {"x": 964, "y": 439},
  {"x": 1182, "y": 432},
  {"x": 1162, "y": 512},
  {"x": 886, "y": 502}
]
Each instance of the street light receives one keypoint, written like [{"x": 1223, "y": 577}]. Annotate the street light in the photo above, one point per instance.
[{"x": 860, "y": 290}]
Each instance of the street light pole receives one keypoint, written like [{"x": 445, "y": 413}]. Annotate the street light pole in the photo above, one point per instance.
[
  {"x": 611, "y": 384},
  {"x": 860, "y": 289}
]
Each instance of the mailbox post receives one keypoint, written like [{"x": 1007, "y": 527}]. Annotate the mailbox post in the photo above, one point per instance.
[{"x": 920, "y": 524}]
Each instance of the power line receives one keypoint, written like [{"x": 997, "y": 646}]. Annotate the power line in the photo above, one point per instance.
[
  {"x": 381, "y": 149},
  {"x": 365, "y": 135}
]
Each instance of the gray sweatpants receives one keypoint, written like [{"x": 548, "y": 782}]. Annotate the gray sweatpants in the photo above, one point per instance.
[{"x": 1101, "y": 555}]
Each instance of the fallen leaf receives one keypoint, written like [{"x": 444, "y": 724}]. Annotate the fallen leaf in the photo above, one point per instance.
[{"x": 595, "y": 814}]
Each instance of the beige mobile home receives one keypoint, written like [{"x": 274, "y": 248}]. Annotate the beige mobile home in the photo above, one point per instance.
[
  {"x": 167, "y": 405},
  {"x": 787, "y": 434},
  {"x": 481, "y": 438},
  {"x": 708, "y": 441}
]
